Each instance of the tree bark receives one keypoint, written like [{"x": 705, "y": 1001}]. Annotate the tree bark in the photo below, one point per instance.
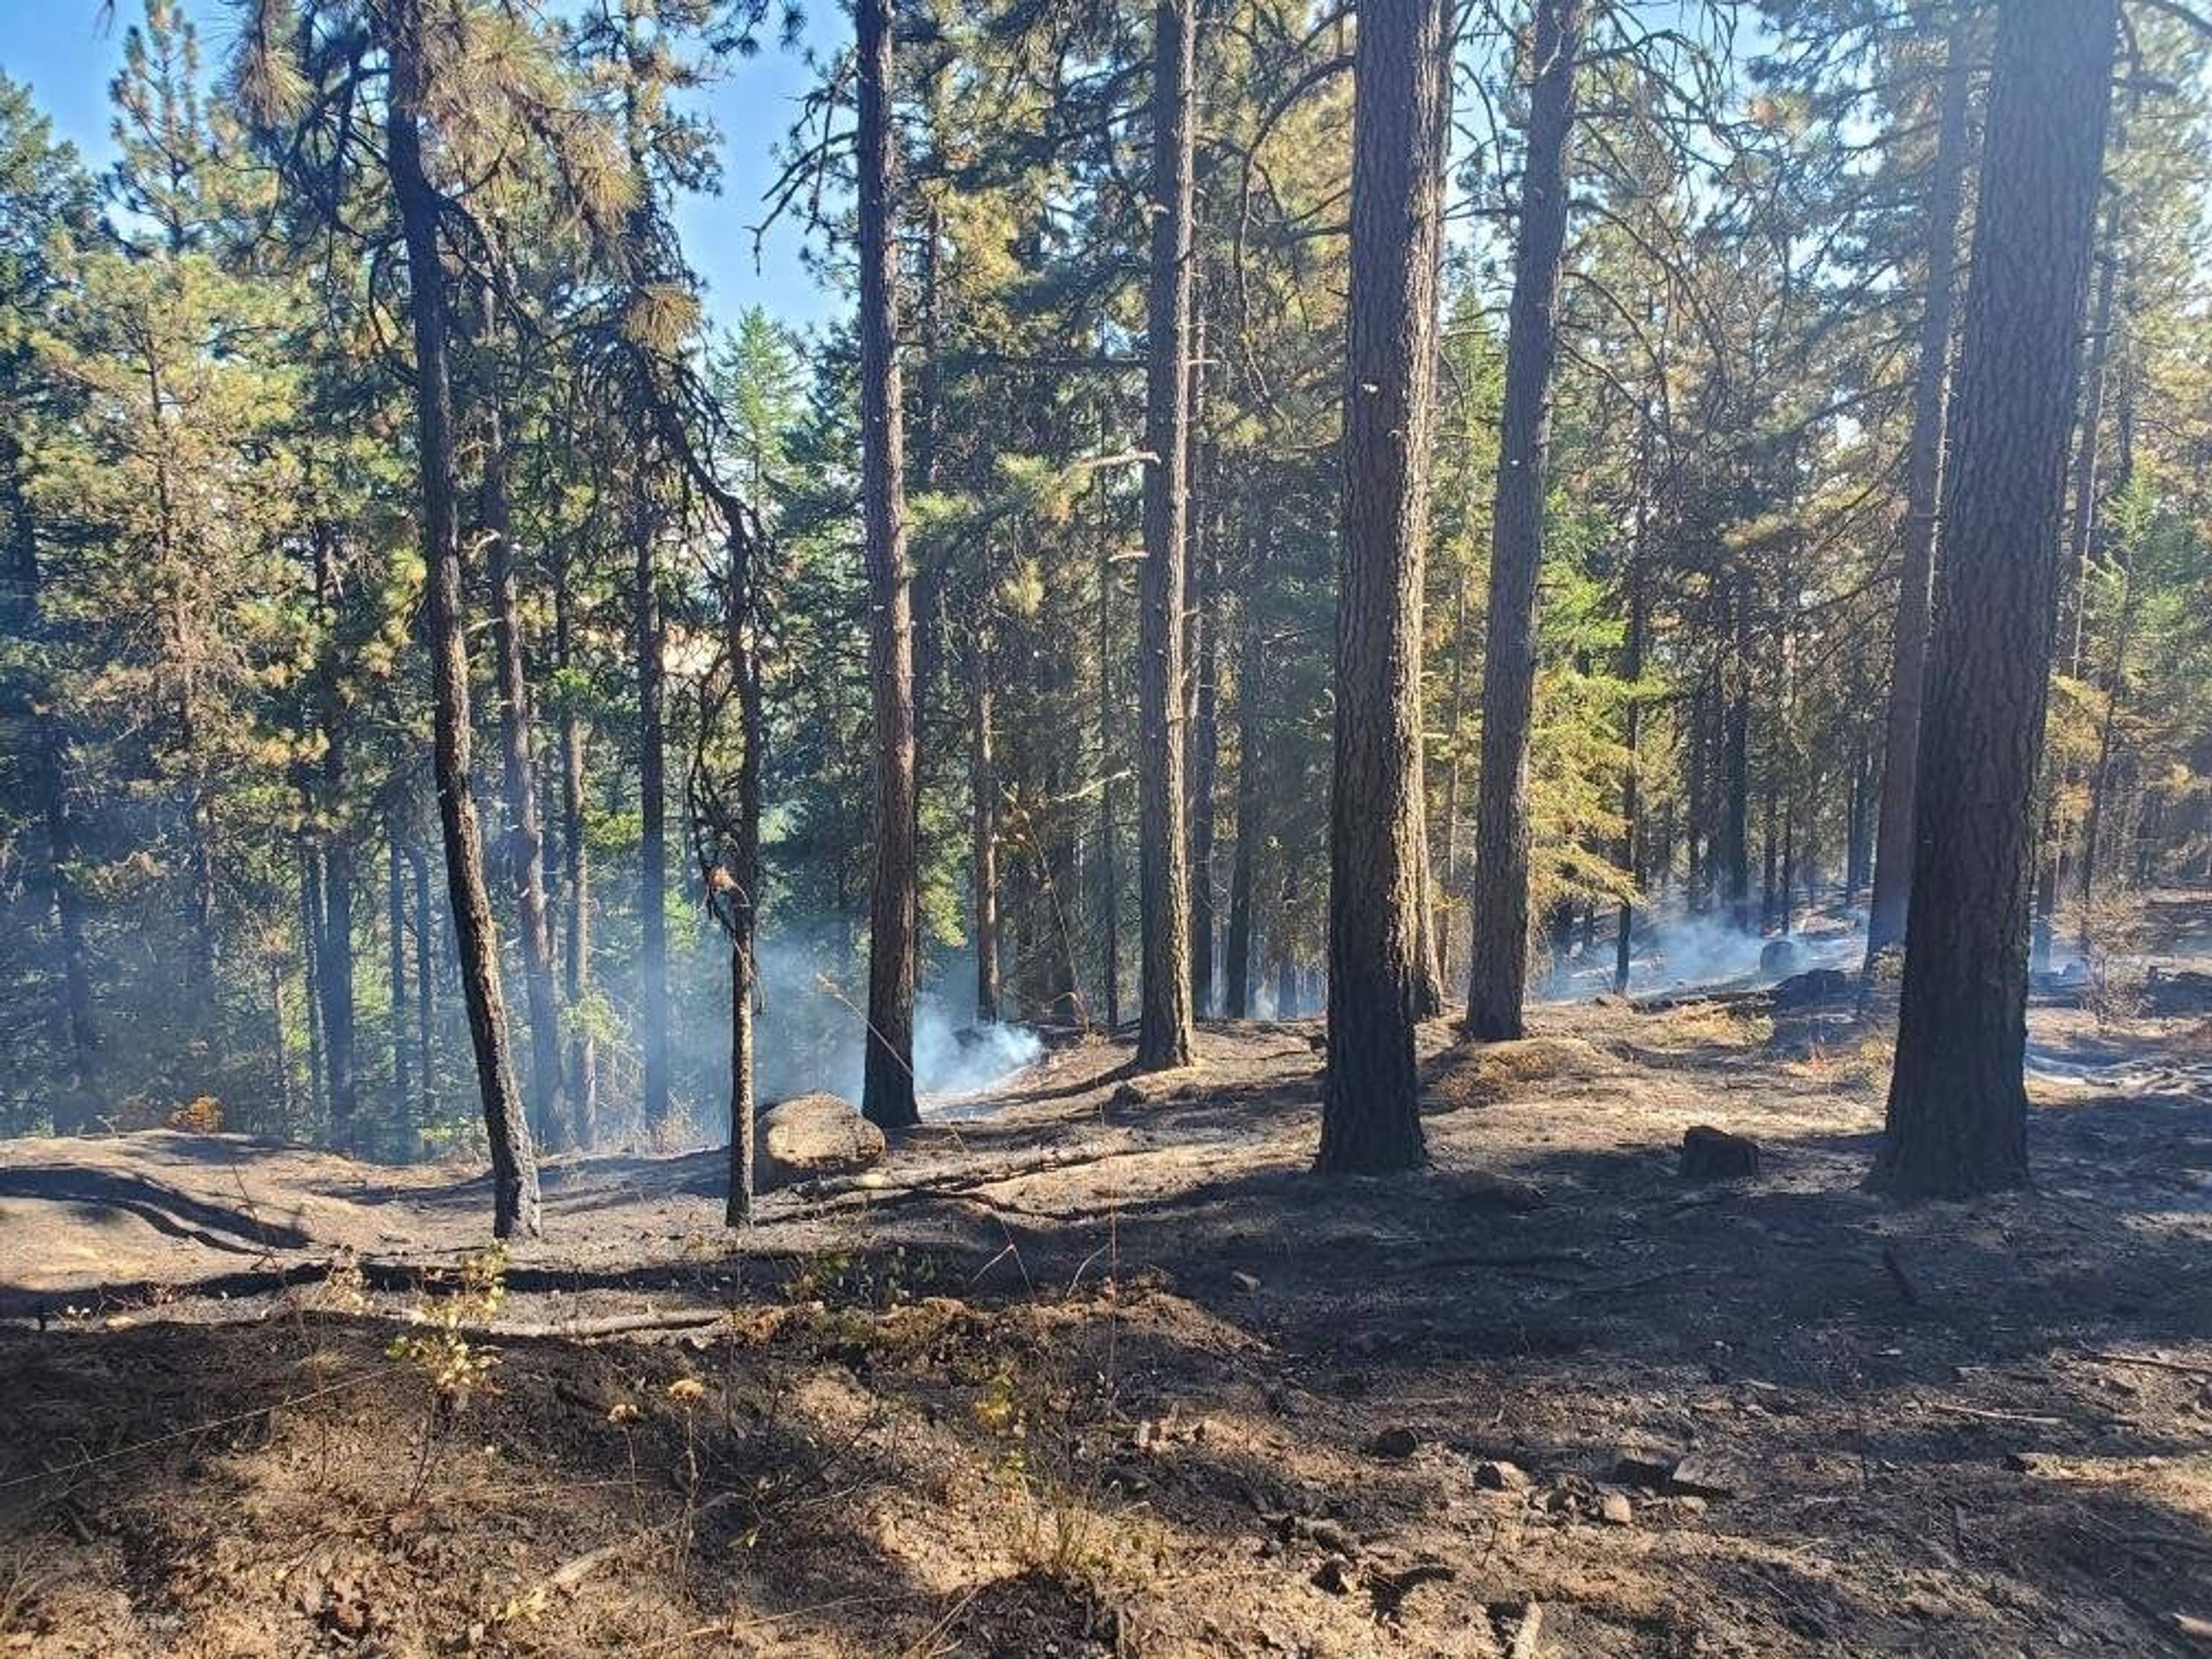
[
  {"x": 1957, "y": 1120},
  {"x": 334, "y": 946},
  {"x": 426, "y": 1002},
  {"x": 887, "y": 1090},
  {"x": 525, "y": 838},
  {"x": 653, "y": 803},
  {"x": 507, "y": 1126},
  {"x": 1632, "y": 670},
  {"x": 744, "y": 917},
  {"x": 1916, "y": 537},
  {"x": 395, "y": 924},
  {"x": 1378, "y": 868},
  {"x": 1498, "y": 904},
  {"x": 1165, "y": 1031},
  {"x": 983, "y": 852},
  {"x": 583, "y": 1082},
  {"x": 1236, "y": 948}
]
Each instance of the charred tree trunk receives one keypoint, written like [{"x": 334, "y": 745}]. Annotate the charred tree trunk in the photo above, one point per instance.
[
  {"x": 1916, "y": 537},
  {"x": 743, "y": 917},
  {"x": 887, "y": 1092},
  {"x": 525, "y": 838},
  {"x": 34, "y": 703},
  {"x": 1498, "y": 905},
  {"x": 1632, "y": 670},
  {"x": 1164, "y": 1029},
  {"x": 1236, "y": 949},
  {"x": 507, "y": 1126},
  {"x": 395, "y": 925},
  {"x": 653, "y": 804},
  {"x": 1370, "y": 1086},
  {"x": 1449, "y": 889},
  {"x": 983, "y": 802},
  {"x": 334, "y": 947},
  {"x": 425, "y": 996},
  {"x": 311, "y": 951},
  {"x": 1206, "y": 760},
  {"x": 1957, "y": 1120},
  {"x": 1109, "y": 863},
  {"x": 583, "y": 1083}
]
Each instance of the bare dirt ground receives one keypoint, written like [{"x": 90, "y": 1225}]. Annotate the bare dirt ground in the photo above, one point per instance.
[{"x": 1108, "y": 1371}]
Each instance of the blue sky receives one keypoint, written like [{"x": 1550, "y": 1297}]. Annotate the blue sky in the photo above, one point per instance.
[{"x": 68, "y": 51}]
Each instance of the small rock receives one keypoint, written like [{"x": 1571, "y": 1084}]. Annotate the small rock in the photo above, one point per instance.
[
  {"x": 1778, "y": 957},
  {"x": 1335, "y": 1576},
  {"x": 1703, "y": 1477},
  {"x": 1398, "y": 1441},
  {"x": 1615, "y": 1511},
  {"x": 1128, "y": 1094},
  {"x": 1711, "y": 1154},
  {"x": 1498, "y": 1475},
  {"x": 1640, "y": 1466},
  {"x": 1690, "y": 1505},
  {"x": 1244, "y": 1281}
]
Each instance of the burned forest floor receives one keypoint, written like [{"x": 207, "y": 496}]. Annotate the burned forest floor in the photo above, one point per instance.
[{"x": 1105, "y": 1369}]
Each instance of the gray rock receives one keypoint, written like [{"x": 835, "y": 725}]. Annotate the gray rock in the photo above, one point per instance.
[{"x": 809, "y": 1137}]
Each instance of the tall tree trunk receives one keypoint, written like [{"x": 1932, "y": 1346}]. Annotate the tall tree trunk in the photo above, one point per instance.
[
  {"x": 334, "y": 949},
  {"x": 1735, "y": 804},
  {"x": 67, "y": 900},
  {"x": 1110, "y": 865},
  {"x": 1250, "y": 671},
  {"x": 887, "y": 1090},
  {"x": 312, "y": 937},
  {"x": 1164, "y": 1029},
  {"x": 743, "y": 900},
  {"x": 1498, "y": 905},
  {"x": 1448, "y": 898},
  {"x": 1957, "y": 1120},
  {"x": 583, "y": 1080},
  {"x": 1206, "y": 759},
  {"x": 34, "y": 703},
  {"x": 395, "y": 925},
  {"x": 2081, "y": 522},
  {"x": 525, "y": 837},
  {"x": 1632, "y": 670},
  {"x": 648, "y": 627},
  {"x": 280, "y": 1055},
  {"x": 426, "y": 1001},
  {"x": 1916, "y": 537},
  {"x": 1371, "y": 1087},
  {"x": 983, "y": 800},
  {"x": 507, "y": 1126}
]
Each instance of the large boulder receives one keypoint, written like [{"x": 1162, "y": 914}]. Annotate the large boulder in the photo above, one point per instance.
[{"x": 809, "y": 1137}]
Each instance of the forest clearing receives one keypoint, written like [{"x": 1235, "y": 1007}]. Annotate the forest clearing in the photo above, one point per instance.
[
  {"x": 1103, "y": 1371},
  {"x": 1123, "y": 827}
]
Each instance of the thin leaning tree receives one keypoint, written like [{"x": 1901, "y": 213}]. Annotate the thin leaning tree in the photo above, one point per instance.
[
  {"x": 1371, "y": 1106},
  {"x": 1957, "y": 1121},
  {"x": 1498, "y": 904}
]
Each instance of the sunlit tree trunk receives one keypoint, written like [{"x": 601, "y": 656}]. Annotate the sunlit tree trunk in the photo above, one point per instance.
[
  {"x": 1378, "y": 868},
  {"x": 1957, "y": 1121},
  {"x": 887, "y": 1090},
  {"x": 1498, "y": 904},
  {"x": 1916, "y": 537},
  {"x": 526, "y": 839},
  {"x": 1164, "y": 1032}
]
